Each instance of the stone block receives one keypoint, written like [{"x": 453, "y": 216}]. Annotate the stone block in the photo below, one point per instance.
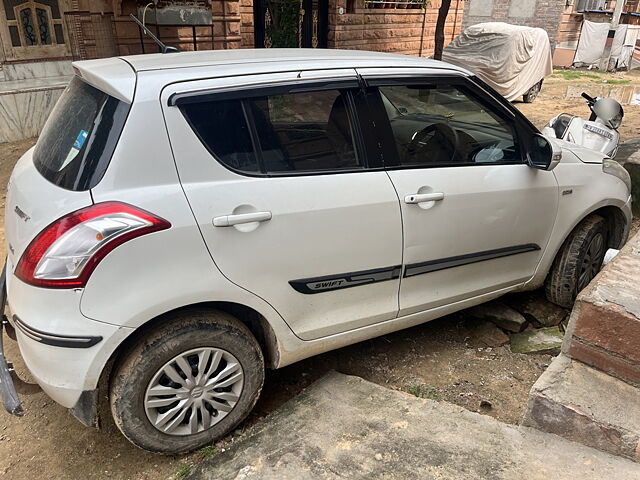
[
  {"x": 500, "y": 314},
  {"x": 536, "y": 308},
  {"x": 542, "y": 340},
  {"x": 584, "y": 405},
  {"x": 486, "y": 334}
]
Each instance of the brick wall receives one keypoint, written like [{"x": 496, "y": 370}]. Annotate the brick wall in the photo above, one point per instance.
[
  {"x": 569, "y": 29},
  {"x": 246, "y": 23},
  {"x": 544, "y": 14},
  {"x": 407, "y": 31},
  {"x": 226, "y": 24}
]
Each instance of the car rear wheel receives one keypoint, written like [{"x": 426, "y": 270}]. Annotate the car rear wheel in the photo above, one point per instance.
[
  {"x": 578, "y": 261},
  {"x": 532, "y": 93},
  {"x": 187, "y": 383}
]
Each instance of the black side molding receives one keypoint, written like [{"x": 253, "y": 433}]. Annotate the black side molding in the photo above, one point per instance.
[
  {"x": 67, "y": 341},
  {"x": 345, "y": 280},
  {"x": 451, "y": 262},
  {"x": 339, "y": 281}
]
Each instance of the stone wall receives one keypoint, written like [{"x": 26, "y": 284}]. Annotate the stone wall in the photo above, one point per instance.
[
  {"x": 544, "y": 14},
  {"x": 604, "y": 330},
  {"x": 398, "y": 30}
]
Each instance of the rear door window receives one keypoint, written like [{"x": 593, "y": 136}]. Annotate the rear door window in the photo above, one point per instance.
[
  {"x": 305, "y": 132},
  {"x": 77, "y": 142}
]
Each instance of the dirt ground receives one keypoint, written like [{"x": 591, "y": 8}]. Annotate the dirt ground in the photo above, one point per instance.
[
  {"x": 438, "y": 360},
  {"x": 561, "y": 93}
]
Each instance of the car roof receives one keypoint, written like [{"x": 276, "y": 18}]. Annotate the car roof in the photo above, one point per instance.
[
  {"x": 117, "y": 75},
  {"x": 291, "y": 57}
]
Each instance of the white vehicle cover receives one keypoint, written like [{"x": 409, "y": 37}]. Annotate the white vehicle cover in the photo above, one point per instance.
[{"x": 508, "y": 57}]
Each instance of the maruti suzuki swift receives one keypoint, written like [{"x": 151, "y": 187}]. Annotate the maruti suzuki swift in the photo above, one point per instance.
[{"x": 188, "y": 220}]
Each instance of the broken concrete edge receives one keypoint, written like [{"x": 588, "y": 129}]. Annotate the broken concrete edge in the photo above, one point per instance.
[
  {"x": 584, "y": 405},
  {"x": 346, "y": 427}
]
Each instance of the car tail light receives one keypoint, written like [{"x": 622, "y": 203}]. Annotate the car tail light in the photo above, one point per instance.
[{"x": 65, "y": 253}]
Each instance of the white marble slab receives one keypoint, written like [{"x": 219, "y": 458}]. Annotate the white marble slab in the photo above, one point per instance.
[
  {"x": 23, "y": 115},
  {"x": 18, "y": 86},
  {"x": 25, "y": 71},
  {"x": 10, "y": 130}
]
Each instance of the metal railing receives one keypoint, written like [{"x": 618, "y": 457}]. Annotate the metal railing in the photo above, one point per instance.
[{"x": 397, "y": 4}]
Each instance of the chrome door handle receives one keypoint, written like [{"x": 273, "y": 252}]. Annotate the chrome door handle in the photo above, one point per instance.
[
  {"x": 231, "y": 220},
  {"x": 423, "y": 197}
]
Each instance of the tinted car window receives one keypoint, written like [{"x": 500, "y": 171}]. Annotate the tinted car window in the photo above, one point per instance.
[
  {"x": 446, "y": 126},
  {"x": 223, "y": 129},
  {"x": 297, "y": 132},
  {"x": 304, "y": 131},
  {"x": 76, "y": 144}
]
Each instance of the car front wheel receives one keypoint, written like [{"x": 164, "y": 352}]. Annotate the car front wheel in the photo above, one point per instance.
[
  {"x": 187, "y": 383},
  {"x": 532, "y": 93},
  {"x": 578, "y": 261}
]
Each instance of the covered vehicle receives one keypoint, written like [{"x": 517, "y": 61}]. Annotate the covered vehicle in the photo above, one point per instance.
[{"x": 513, "y": 59}]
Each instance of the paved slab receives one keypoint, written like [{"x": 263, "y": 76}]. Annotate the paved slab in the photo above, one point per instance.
[{"x": 344, "y": 426}]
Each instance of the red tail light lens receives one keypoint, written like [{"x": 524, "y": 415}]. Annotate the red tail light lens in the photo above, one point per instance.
[{"x": 65, "y": 253}]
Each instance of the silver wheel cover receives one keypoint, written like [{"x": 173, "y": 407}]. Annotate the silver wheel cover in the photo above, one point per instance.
[{"x": 193, "y": 391}]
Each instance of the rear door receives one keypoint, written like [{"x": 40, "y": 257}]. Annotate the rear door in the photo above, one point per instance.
[
  {"x": 289, "y": 199},
  {"x": 476, "y": 217}
]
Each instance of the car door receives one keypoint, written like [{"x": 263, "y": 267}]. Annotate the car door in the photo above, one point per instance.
[
  {"x": 290, "y": 204},
  {"x": 476, "y": 217}
]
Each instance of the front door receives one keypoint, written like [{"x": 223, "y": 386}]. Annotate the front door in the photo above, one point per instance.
[
  {"x": 476, "y": 218},
  {"x": 291, "y": 23},
  {"x": 286, "y": 199}
]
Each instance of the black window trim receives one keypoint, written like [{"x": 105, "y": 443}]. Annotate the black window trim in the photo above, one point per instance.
[
  {"x": 347, "y": 87},
  {"x": 478, "y": 91},
  {"x": 260, "y": 90}
]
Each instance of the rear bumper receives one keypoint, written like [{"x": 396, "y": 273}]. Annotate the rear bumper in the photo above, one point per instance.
[{"x": 64, "y": 351}]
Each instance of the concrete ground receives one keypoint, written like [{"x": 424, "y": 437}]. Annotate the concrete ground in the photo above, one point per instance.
[{"x": 346, "y": 427}]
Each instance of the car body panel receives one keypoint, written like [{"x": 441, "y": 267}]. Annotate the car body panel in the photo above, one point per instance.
[
  {"x": 32, "y": 203},
  {"x": 351, "y": 222}
]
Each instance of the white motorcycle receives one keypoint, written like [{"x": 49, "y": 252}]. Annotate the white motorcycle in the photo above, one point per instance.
[{"x": 599, "y": 133}]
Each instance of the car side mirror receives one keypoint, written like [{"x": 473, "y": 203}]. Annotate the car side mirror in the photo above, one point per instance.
[{"x": 542, "y": 153}]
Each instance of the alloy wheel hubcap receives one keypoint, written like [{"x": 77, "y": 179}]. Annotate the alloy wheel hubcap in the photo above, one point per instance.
[
  {"x": 592, "y": 261},
  {"x": 194, "y": 391}
]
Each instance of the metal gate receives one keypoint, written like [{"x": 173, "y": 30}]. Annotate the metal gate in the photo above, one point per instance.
[{"x": 291, "y": 23}]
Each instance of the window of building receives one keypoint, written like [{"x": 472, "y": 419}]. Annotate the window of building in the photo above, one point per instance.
[
  {"x": 34, "y": 23},
  {"x": 443, "y": 125},
  {"x": 275, "y": 134}
]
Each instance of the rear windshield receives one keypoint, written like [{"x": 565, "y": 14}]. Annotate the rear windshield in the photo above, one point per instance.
[{"x": 77, "y": 142}]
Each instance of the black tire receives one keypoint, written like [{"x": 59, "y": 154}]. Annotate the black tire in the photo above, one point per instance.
[
  {"x": 532, "y": 93},
  {"x": 577, "y": 262},
  {"x": 180, "y": 333}
]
